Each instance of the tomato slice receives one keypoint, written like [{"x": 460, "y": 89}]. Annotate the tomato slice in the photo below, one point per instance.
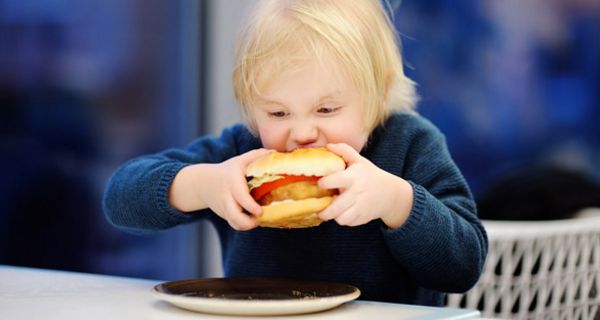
[{"x": 267, "y": 187}]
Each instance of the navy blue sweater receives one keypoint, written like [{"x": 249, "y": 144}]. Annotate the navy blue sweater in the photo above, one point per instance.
[{"x": 440, "y": 248}]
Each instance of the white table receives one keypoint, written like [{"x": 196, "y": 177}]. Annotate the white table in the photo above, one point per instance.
[{"x": 47, "y": 294}]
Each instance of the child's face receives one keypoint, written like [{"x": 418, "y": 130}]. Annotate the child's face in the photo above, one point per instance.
[{"x": 310, "y": 108}]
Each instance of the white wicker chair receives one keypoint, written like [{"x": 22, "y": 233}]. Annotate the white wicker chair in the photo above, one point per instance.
[{"x": 539, "y": 270}]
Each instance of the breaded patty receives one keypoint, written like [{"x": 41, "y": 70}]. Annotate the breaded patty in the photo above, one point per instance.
[{"x": 296, "y": 191}]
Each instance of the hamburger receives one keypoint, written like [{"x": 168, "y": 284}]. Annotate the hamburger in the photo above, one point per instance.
[{"x": 285, "y": 185}]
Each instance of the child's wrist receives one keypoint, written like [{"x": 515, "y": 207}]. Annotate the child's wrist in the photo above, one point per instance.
[
  {"x": 184, "y": 193},
  {"x": 401, "y": 206}
]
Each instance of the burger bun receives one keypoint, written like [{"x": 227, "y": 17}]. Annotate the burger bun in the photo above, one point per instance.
[
  {"x": 309, "y": 162},
  {"x": 294, "y": 213}
]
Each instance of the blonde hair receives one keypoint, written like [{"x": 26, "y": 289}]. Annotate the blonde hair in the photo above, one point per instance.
[{"x": 280, "y": 35}]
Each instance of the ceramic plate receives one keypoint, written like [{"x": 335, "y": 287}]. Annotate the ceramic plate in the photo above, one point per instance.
[{"x": 255, "y": 296}]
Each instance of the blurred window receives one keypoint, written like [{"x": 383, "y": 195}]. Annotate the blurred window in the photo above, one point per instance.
[{"x": 84, "y": 86}]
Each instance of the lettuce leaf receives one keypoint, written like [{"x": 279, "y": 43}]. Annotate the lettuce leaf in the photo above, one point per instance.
[{"x": 258, "y": 181}]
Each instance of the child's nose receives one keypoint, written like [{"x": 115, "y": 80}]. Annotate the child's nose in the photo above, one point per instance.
[{"x": 304, "y": 134}]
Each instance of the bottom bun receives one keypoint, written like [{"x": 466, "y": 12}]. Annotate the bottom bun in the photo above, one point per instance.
[{"x": 294, "y": 213}]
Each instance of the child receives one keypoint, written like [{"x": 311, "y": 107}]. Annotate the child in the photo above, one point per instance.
[{"x": 313, "y": 73}]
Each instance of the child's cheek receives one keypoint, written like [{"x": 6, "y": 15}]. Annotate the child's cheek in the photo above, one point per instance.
[{"x": 272, "y": 138}]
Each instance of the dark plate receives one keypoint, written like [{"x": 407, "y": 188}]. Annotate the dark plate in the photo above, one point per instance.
[{"x": 255, "y": 296}]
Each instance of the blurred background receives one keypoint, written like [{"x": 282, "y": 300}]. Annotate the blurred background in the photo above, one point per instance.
[{"x": 87, "y": 84}]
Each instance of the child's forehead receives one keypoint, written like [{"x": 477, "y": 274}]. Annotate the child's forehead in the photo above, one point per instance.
[
  {"x": 275, "y": 98},
  {"x": 307, "y": 69},
  {"x": 321, "y": 81}
]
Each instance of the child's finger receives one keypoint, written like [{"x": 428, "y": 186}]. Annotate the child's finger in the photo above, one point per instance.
[
  {"x": 338, "y": 180},
  {"x": 252, "y": 155},
  {"x": 243, "y": 197},
  {"x": 345, "y": 151},
  {"x": 347, "y": 218},
  {"x": 339, "y": 205},
  {"x": 237, "y": 219}
]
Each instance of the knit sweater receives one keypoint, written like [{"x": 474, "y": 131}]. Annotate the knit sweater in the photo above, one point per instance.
[{"x": 440, "y": 248}]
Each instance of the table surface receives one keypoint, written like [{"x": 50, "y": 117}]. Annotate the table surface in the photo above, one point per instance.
[{"x": 27, "y": 293}]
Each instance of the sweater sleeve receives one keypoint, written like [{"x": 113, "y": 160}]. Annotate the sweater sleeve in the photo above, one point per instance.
[
  {"x": 442, "y": 244},
  {"x": 136, "y": 196}
]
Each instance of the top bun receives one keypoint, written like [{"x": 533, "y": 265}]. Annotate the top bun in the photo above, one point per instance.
[{"x": 307, "y": 162}]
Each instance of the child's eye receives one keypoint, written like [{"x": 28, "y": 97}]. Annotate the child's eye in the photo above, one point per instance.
[
  {"x": 326, "y": 110},
  {"x": 277, "y": 114}
]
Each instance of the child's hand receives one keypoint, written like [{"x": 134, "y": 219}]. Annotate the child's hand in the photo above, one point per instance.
[
  {"x": 366, "y": 192},
  {"x": 221, "y": 187},
  {"x": 227, "y": 193}
]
